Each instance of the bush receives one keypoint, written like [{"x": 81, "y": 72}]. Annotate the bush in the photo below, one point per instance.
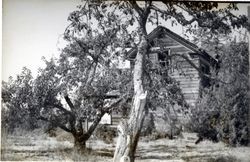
[
  {"x": 148, "y": 125},
  {"x": 158, "y": 135},
  {"x": 222, "y": 112},
  {"x": 50, "y": 129},
  {"x": 105, "y": 133}
]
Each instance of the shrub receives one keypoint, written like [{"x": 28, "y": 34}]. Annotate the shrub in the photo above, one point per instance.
[
  {"x": 105, "y": 133},
  {"x": 222, "y": 112},
  {"x": 148, "y": 125}
]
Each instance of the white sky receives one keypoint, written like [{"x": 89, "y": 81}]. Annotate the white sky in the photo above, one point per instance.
[{"x": 32, "y": 28}]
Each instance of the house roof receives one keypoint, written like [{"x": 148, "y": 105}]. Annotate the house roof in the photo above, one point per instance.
[{"x": 196, "y": 50}]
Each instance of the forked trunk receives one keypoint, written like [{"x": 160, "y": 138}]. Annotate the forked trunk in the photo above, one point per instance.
[
  {"x": 129, "y": 131},
  {"x": 81, "y": 137}
]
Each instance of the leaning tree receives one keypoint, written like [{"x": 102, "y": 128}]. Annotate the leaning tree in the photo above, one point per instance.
[{"x": 129, "y": 20}]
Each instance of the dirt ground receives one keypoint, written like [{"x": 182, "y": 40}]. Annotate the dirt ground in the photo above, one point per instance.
[{"x": 38, "y": 146}]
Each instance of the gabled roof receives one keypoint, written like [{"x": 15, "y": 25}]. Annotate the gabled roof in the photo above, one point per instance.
[{"x": 196, "y": 50}]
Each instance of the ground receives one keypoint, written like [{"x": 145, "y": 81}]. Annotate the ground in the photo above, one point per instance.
[{"x": 38, "y": 146}]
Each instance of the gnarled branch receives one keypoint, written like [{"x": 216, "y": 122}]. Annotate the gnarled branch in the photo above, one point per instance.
[{"x": 56, "y": 123}]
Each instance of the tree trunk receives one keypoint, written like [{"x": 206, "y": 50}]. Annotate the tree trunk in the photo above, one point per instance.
[
  {"x": 80, "y": 143},
  {"x": 129, "y": 131},
  {"x": 81, "y": 137}
]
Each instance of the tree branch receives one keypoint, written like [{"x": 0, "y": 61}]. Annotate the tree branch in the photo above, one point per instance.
[
  {"x": 72, "y": 116},
  {"x": 61, "y": 108},
  {"x": 99, "y": 116},
  {"x": 67, "y": 99},
  {"x": 56, "y": 124},
  {"x": 111, "y": 106},
  {"x": 136, "y": 7},
  {"x": 201, "y": 19},
  {"x": 107, "y": 96}
]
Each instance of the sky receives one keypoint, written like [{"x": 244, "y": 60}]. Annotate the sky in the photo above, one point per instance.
[{"x": 33, "y": 28}]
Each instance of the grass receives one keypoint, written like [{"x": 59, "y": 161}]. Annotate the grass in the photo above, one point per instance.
[
  {"x": 35, "y": 145},
  {"x": 27, "y": 146}
]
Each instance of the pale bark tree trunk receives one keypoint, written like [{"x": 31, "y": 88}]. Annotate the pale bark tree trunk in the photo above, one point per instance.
[{"x": 129, "y": 131}]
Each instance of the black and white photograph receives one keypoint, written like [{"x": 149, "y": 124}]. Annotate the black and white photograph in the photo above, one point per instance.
[{"x": 125, "y": 81}]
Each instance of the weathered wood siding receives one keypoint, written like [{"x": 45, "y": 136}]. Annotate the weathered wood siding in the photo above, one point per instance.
[
  {"x": 166, "y": 44},
  {"x": 181, "y": 70},
  {"x": 189, "y": 79}
]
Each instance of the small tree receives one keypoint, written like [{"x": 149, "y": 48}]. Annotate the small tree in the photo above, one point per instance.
[{"x": 17, "y": 102}]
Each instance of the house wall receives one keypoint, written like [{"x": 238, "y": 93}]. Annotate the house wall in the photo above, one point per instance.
[
  {"x": 188, "y": 77},
  {"x": 181, "y": 70}
]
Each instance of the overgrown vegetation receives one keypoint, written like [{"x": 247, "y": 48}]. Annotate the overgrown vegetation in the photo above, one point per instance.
[{"x": 222, "y": 112}]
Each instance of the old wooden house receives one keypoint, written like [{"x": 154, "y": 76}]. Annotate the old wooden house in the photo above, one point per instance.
[{"x": 182, "y": 60}]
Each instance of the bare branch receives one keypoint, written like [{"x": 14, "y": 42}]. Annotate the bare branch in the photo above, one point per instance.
[
  {"x": 99, "y": 116},
  {"x": 71, "y": 105}
]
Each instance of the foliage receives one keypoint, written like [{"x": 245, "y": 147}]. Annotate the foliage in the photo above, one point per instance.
[
  {"x": 223, "y": 109},
  {"x": 18, "y": 107},
  {"x": 73, "y": 89}
]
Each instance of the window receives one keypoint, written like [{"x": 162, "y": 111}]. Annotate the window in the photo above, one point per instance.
[
  {"x": 162, "y": 61},
  {"x": 165, "y": 61}
]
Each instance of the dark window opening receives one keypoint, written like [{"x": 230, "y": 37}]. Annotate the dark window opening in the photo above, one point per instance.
[
  {"x": 205, "y": 81},
  {"x": 165, "y": 62}
]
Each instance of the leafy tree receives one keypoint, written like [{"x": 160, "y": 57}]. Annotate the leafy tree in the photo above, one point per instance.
[
  {"x": 17, "y": 102},
  {"x": 71, "y": 90},
  {"x": 125, "y": 22},
  {"x": 222, "y": 113},
  {"x": 65, "y": 93}
]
